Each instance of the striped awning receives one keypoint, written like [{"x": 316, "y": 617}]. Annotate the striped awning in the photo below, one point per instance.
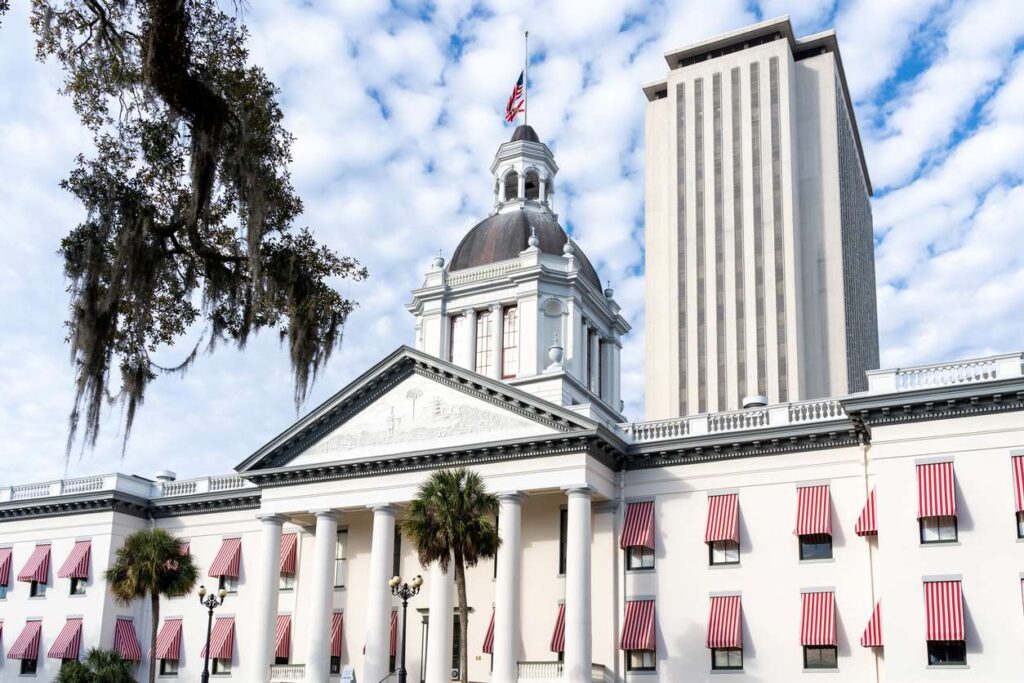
[
  {"x": 186, "y": 547},
  {"x": 724, "y": 622},
  {"x": 38, "y": 566},
  {"x": 228, "y": 560},
  {"x": 638, "y": 529},
  {"x": 935, "y": 490},
  {"x": 289, "y": 551},
  {"x": 944, "y": 610},
  {"x": 77, "y": 564},
  {"x": 126, "y": 642},
  {"x": 394, "y": 633},
  {"x": 489, "y": 638},
  {"x": 558, "y": 634},
  {"x": 1018, "y": 481},
  {"x": 283, "y": 635},
  {"x": 638, "y": 626},
  {"x": 222, "y": 639},
  {"x": 69, "y": 640},
  {"x": 27, "y": 644},
  {"x": 813, "y": 511},
  {"x": 723, "y": 518},
  {"x": 872, "y": 636},
  {"x": 867, "y": 523},
  {"x": 337, "y": 620},
  {"x": 168, "y": 641},
  {"x": 818, "y": 619},
  {"x": 5, "y": 566}
]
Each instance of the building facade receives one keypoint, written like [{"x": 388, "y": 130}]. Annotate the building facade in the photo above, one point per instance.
[{"x": 760, "y": 261}]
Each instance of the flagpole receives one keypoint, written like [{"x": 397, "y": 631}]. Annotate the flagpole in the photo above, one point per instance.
[{"x": 526, "y": 77}]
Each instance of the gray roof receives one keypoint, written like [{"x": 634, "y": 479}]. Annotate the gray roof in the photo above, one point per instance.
[{"x": 525, "y": 133}]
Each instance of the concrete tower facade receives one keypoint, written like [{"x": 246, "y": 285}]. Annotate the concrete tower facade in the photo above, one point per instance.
[{"x": 760, "y": 259}]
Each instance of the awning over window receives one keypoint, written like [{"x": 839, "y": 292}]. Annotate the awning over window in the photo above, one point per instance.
[
  {"x": 27, "y": 644},
  {"x": 558, "y": 635},
  {"x": 872, "y": 636},
  {"x": 935, "y": 490},
  {"x": 638, "y": 529},
  {"x": 638, "y": 626},
  {"x": 489, "y": 638},
  {"x": 944, "y": 610},
  {"x": 1018, "y": 481},
  {"x": 813, "y": 512},
  {"x": 222, "y": 639},
  {"x": 283, "y": 635},
  {"x": 289, "y": 551},
  {"x": 723, "y": 518},
  {"x": 69, "y": 640},
  {"x": 336, "y": 625},
  {"x": 867, "y": 524},
  {"x": 5, "y": 566},
  {"x": 818, "y": 620},
  {"x": 186, "y": 547},
  {"x": 38, "y": 566},
  {"x": 126, "y": 642},
  {"x": 168, "y": 641},
  {"x": 724, "y": 622},
  {"x": 228, "y": 560},
  {"x": 77, "y": 564},
  {"x": 394, "y": 633}
]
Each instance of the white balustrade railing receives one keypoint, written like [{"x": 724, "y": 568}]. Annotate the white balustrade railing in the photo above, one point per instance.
[
  {"x": 70, "y": 486},
  {"x": 286, "y": 673},
  {"x": 179, "y": 488},
  {"x": 657, "y": 429},
  {"x": 119, "y": 482},
  {"x": 27, "y": 491},
  {"x": 738, "y": 419},
  {"x": 483, "y": 272},
  {"x": 226, "y": 483},
  {"x": 815, "y": 411},
  {"x": 1003, "y": 366},
  {"x": 540, "y": 671}
]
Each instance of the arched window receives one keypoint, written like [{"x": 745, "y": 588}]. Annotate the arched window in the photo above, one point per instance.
[
  {"x": 511, "y": 186},
  {"x": 532, "y": 185}
]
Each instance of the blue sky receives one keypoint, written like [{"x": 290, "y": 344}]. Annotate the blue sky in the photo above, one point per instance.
[{"x": 397, "y": 111}]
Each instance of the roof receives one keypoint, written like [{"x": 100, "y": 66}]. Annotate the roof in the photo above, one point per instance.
[{"x": 525, "y": 132}]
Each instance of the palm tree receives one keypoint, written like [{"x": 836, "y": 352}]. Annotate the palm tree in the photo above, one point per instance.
[
  {"x": 450, "y": 521},
  {"x": 150, "y": 564},
  {"x": 100, "y": 666}
]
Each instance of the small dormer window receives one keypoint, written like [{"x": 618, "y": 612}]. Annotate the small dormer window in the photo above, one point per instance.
[
  {"x": 511, "y": 186},
  {"x": 532, "y": 185}
]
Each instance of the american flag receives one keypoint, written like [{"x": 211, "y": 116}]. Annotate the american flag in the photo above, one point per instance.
[{"x": 515, "y": 101}]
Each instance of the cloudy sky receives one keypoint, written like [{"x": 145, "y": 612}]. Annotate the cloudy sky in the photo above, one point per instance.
[{"x": 397, "y": 111}]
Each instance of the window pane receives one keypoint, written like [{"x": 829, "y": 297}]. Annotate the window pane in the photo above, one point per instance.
[
  {"x": 820, "y": 657},
  {"x": 947, "y": 528},
  {"x": 815, "y": 547},
  {"x": 483, "y": 342},
  {"x": 1020, "y": 529},
  {"x": 725, "y": 552},
  {"x": 455, "y": 338},
  {"x": 735, "y": 658},
  {"x": 510, "y": 343},
  {"x": 563, "y": 534},
  {"x": 929, "y": 530},
  {"x": 942, "y": 652},
  {"x": 340, "y": 569}
]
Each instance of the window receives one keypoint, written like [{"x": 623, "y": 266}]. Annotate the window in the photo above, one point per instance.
[
  {"x": 723, "y": 552},
  {"x": 396, "y": 561},
  {"x": 280, "y": 661},
  {"x": 511, "y": 186},
  {"x": 1020, "y": 534},
  {"x": 815, "y": 547},
  {"x": 286, "y": 582},
  {"x": 335, "y": 665},
  {"x": 938, "y": 529},
  {"x": 532, "y": 185},
  {"x": 77, "y": 587},
  {"x": 229, "y": 583},
  {"x": 946, "y": 652},
  {"x": 590, "y": 359},
  {"x": 510, "y": 343},
  {"x": 455, "y": 338},
  {"x": 495, "y": 575},
  {"x": 3, "y": 592},
  {"x": 639, "y": 557},
  {"x": 222, "y": 667},
  {"x": 640, "y": 660},
  {"x": 28, "y": 667},
  {"x": 36, "y": 589},
  {"x": 820, "y": 657},
  {"x": 456, "y": 670},
  {"x": 168, "y": 667},
  {"x": 392, "y": 663},
  {"x": 563, "y": 538},
  {"x": 484, "y": 361},
  {"x": 726, "y": 658},
  {"x": 340, "y": 568}
]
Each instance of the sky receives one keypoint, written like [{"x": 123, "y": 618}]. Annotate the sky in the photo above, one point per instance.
[{"x": 397, "y": 110}]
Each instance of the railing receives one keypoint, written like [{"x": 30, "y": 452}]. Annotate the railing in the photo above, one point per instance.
[
  {"x": 178, "y": 488},
  {"x": 599, "y": 673},
  {"x": 947, "y": 374},
  {"x": 26, "y": 491},
  {"x": 283, "y": 673},
  {"x": 119, "y": 482},
  {"x": 657, "y": 429},
  {"x": 540, "y": 671},
  {"x": 815, "y": 411},
  {"x": 738, "y": 419},
  {"x": 483, "y": 272}
]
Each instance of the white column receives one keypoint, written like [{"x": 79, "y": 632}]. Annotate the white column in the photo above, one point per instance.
[
  {"x": 496, "y": 344},
  {"x": 439, "y": 631},
  {"x": 378, "y": 595},
  {"x": 577, "y": 589},
  {"x": 469, "y": 341},
  {"x": 594, "y": 355},
  {"x": 321, "y": 598},
  {"x": 506, "y": 592},
  {"x": 268, "y": 569}
]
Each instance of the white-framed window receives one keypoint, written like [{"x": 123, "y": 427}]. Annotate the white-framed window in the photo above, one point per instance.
[
  {"x": 221, "y": 667},
  {"x": 37, "y": 589},
  {"x": 725, "y": 658},
  {"x": 724, "y": 552},
  {"x": 639, "y": 557},
  {"x": 484, "y": 352},
  {"x": 229, "y": 583},
  {"x": 286, "y": 582},
  {"x": 938, "y": 529},
  {"x": 640, "y": 660},
  {"x": 455, "y": 337},
  {"x": 947, "y": 652},
  {"x": 340, "y": 561},
  {"x": 168, "y": 667},
  {"x": 510, "y": 342},
  {"x": 77, "y": 587},
  {"x": 815, "y": 547},
  {"x": 820, "y": 657}
]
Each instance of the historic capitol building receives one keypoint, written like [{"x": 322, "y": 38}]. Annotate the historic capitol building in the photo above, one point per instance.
[{"x": 787, "y": 508}]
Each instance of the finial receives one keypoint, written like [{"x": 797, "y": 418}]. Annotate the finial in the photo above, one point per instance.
[
  {"x": 608, "y": 291},
  {"x": 438, "y": 261},
  {"x": 567, "y": 248},
  {"x": 533, "y": 241}
]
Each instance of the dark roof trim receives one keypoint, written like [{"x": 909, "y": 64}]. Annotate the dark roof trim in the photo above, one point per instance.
[{"x": 75, "y": 505}]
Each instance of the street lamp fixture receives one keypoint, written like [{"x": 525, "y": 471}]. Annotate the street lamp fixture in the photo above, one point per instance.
[
  {"x": 403, "y": 591},
  {"x": 209, "y": 602}
]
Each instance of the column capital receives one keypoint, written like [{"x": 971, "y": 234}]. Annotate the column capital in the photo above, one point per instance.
[
  {"x": 325, "y": 513},
  {"x": 581, "y": 490},
  {"x": 272, "y": 518},
  {"x": 511, "y": 496},
  {"x": 382, "y": 508}
]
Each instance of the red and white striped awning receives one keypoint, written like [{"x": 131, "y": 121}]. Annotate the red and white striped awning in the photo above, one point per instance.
[
  {"x": 26, "y": 646},
  {"x": 222, "y": 639},
  {"x": 337, "y": 620},
  {"x": 168, "y": 641},
  {"x": 69, "y": 640},
  {"x": 867, "y": 523},
  {"x": 724, "y": 622},
  {"x": 818, "y": 619},
  {"x": 77, "y": 564},
  {"x": 558, "y": 634},
  {"x": 5, "y": 566},
  {"x": 283, "y": 635},
  {"x": 394, "y": 633},
  {"x": 186, "y": 547},
  {"x": 944, "y": 610},
  {"x": 723, "y": 518},
  {"x": 638, "y": 529},
  {"x": 638, "y": 626},
  {"x": 289, "y": 552},
  {"x": 872, "y": 636},
  {"x": 1018, "y": 481},
  {"x": 489, "y": 638},
  {"x": 126, "y": 642},
  {"x": 936, "y": 490},
  {"x": 813, "y": 511},
  {"x": 38, "y": 566},
  {"x": 228, "y": 560}
]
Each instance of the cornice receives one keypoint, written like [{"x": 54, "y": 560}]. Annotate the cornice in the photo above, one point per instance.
[
  {"x": 205, "y": 504},
  {"x": 74, "y": 505}
]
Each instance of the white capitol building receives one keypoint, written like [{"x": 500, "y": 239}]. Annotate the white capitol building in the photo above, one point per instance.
[{"x": 787, "y": 510}]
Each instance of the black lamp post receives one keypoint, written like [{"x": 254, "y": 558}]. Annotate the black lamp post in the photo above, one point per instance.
[
  {"x": 404, "y": 591},
  {"x": 209, "y": 602}
]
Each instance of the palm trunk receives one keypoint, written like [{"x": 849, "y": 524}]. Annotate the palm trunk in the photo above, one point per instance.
[
  {"x": 154, "y": 601},
  {"x": 460, "y": 589}
]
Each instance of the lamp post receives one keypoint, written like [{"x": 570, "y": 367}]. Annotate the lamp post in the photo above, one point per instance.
[
  {"x": 404, "y": 591},
  {"x": 209, "y": 602}
]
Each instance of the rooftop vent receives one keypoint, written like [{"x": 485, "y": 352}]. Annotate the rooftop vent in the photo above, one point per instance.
[
  {"x": 755, "y": 401},
  {"x": 165, "y": 475}
]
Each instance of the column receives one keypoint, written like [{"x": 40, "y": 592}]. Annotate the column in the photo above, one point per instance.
[
  {"x": 469, "y": 340},
  {"x": 594, "y": 356},
  {"x": 439, "y": 631},
  {"x": 268, "y": 569},
  {"x": 496, "y": 341},
  {"x": 506, "y": 592},
  {"x": 378, "y": 595},
  {"x": 321, "y": 598},
  {"x": 577, "y": 589}
]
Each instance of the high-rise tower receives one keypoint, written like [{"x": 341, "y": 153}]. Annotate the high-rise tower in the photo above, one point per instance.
[{"x": 760, "y": 259}]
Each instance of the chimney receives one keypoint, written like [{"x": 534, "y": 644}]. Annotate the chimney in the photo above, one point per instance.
[
  {"x": 165, "y": 476},
  {"x": 755, "y": 401}
]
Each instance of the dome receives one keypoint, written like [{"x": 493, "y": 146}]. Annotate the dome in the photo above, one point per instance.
[
  {"x": 525, "y": 133},
  {"x": 503, "y": 235}
]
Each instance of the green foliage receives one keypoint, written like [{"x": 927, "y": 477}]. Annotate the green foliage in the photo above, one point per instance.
[{"x": 99, "y": 666}]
